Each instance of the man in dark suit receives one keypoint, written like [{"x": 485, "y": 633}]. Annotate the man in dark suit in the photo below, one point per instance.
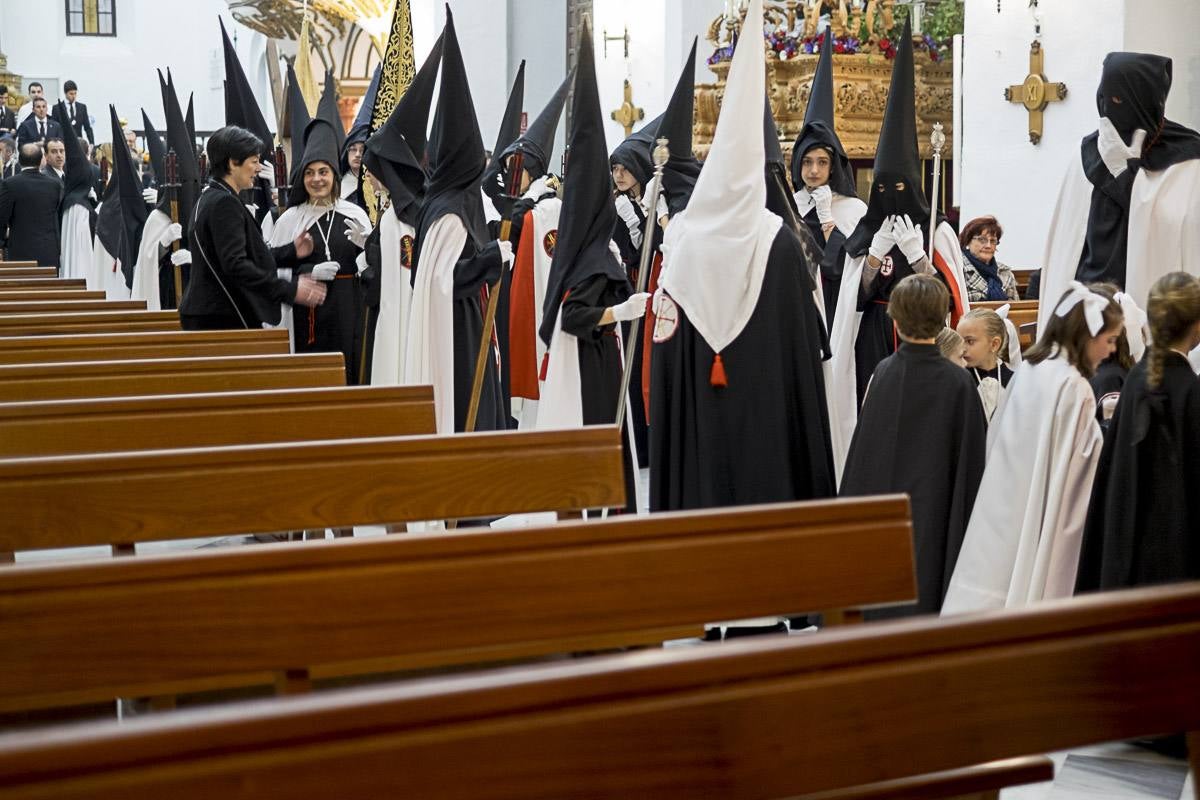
[
  {"x": 29, "y": 211},
  {"x": 73, "y": 113},
  {"x": 56, "y": 159},
  {"x": 8, "y": 156},
  {"x": 8, "y": 120},
  {"x": 38, "y": 127}
]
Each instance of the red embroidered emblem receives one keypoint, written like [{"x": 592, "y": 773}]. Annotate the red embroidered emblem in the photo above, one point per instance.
[
  {"x": 406, "y": 252},
  {"x": 549, "y": 242},
  {"x": 666, "y": 317}
]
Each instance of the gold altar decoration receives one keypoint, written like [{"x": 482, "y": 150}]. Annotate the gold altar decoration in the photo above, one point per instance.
[
  {"x": 396, "y": 75},
  {"x": 331, "y": 20},
  {"x": 627, "y": 113},
  {"x": 1036, "y": 92},
  {"x": 13, "y": 82}
]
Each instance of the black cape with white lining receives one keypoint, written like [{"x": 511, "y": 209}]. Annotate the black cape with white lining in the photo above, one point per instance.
[
  {"x": 1143, "y": 524},
  {"x": 921, "y": 431}
]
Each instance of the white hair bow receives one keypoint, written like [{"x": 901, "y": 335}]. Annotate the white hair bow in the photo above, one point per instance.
[
  {"x": 1014, "y": 338},
  {"x": 1093, "y": 306},
  {"x": 1135, "y": 324}
]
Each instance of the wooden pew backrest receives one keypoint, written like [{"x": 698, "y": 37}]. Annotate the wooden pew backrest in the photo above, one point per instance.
[
  {"x": 148, "y": 344},
  {"x": 61, "y": 427},
  {"x": 8, "y": 306},
  {"x": 24, "y": 284},
  {"x": 26, "y": 269},
  {"x": 88, "y": 322},
  {"x": 25, "y": 295}
]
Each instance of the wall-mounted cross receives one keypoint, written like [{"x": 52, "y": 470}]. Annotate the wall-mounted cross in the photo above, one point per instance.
[
  {"x": 628, "y": 113},
  {"x": 1036, "y": 92}
]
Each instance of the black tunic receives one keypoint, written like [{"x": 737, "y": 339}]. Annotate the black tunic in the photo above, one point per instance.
[
  {"x": 334, "y": 326},
  {"x": 765, "y": 436},
  {"x": 1109, "y": 379},
  {"x": 833, "y": 262},
  {"x": 921, "y": 431},
  {"x": 599, "y": 358},
  {"x": 1143, "y": 523},
  {"x": 369, "y": 288},
  {"x": 474, "y": 269}
]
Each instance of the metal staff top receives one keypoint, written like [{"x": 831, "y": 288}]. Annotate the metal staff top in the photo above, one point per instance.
[{"x": 937, "y": 140}]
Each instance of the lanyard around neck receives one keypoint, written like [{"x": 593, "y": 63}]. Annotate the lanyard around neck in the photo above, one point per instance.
[{"x": 326, "y": 233}]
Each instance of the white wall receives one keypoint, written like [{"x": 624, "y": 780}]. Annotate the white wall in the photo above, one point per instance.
[
  {"x": 1169, "y": 28},
  {"x": 537, "y": 33},
  {"x": 120, "y": 70}
]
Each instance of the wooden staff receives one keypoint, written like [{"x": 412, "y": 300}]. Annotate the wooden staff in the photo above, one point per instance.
[
  {"x": 202, "y": 162},
  {"x": 281, "y": 178},
  {"x": 104, "y": 169},
  {"x": 489, "y": 319},
  {"x": 171, "y": 167},
  {"x": 661, "y": 154}
]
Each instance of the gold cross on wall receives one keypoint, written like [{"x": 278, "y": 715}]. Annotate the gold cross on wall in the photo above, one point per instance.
[
  {"x": 628, "y": 113},
  {"x": 1036, "y": 92}
]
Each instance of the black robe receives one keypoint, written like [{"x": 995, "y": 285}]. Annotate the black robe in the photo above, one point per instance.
[
  {"x": 833, "y": 262},
  {"x": 631, "y": 257},
  {"x": 334, "y": 326},
  {"x": 369, "y": 287},
  {"x": 166, "y": 280},
  {"x": 921, "y": 431},
  {"x": 1143, "y": 523},
  {"x": 474, "y": 269},
  {"x": 599, "y": 359},
  {"x": 1109, "y": 379},
  {"x": 762, "y": 438}
]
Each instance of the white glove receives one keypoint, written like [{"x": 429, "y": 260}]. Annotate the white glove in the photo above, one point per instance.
[
  {"x": 171, "y": 235},
  {"x": 266, "y": 171},
  {"x": 631, "y": 309},
  {"x": 908, "y": 239},
  {"x": 822, "y": 198},
  {"x": 883, "y": 240},
  {"x": 357, "y": 233},
  {"x": 326, "y": 270},
  {"x": 662, "y": 209},
  {"x": 538, "y": 188},
  {"x": 1113, "y": 150},
  {"x": 630, "y": 218},
  {"x": 181, "y": 257},
  {"x": 150, "y": 196},
  {"x": 506, "y": 253},
  {"x": 361, "y": 262}
]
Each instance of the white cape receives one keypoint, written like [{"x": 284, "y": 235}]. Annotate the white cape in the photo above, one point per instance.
[
  {"x": 1023, "y": 541},
  {"x": 545, "y": 221},
  {"x": 1164, "y": 231},
  {"x": 395, "y": 302},
  {"x": 105, "y": 273},
  {"x": 429, "y": 354},
  {"x": 561, "y": 404},
  {"x": 145, "y": 271},
  {"x": 847, "y": 211},
  {"x": 841, "y": 390},
  {"x": 77, "y": 248}
]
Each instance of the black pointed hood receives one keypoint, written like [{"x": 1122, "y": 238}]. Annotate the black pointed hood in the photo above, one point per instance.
[
  {"x": 320, "y": 144},
  {"x": 510, "y": 129},
  {"x": 1141, "y": 83},
  {"x": 636, "y": 153},
  {"x": 298, "y": 119},
  {"x": 456, "y": 159},
  {"x": 241, "y": 107},
  {"x": 537, "y": 143},
  {"x": 123, "y": 212},
  {"x": 682, "y": 169},
  {"x": 327, "y": 109},
  {"x": 77, "y": 172},
  {"x": 897, "y": 157},
  {"x": 395, "y": 153},
  {"x": 361, "y": 128},
  {"x": 588, "y": 215},
  {"x": 158, "y": 150},
  {"x": 189, "y": 119},
  {"x": 180, "y": 141},
  {"x": 819, "y": 130},
  {"x": 780, "y": 199}
]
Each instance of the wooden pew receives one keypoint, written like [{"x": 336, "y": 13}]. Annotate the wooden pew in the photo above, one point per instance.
[
  {"x": 8, "y": 306},
  {"x": 24, "y": 284},
  {"x": 156, "y": 624},
  {"x": 153, "y": 376},
  {"x": 146, "y": 344},
  {"x": 767, "y": 719},
  {"x": 94, "y": 425},
  {"x": 88, "y": 322},
  {"x": 26, "y": 269},
  {"x": 1022, "y": 276},
  {"x": 1021, "y": 312},
  {"x": 25, "y": 295},
  {"x": 122, "y": 498}
]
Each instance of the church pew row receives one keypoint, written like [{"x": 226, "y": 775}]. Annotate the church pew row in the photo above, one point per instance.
[
  {"x": 97, "y": 425},
  {"x": 768, "y": 719},
  {"x": 26, "y": 269},
  {"x": 27, "y": 295},
  {"x": 8, "y": 306},
  {"x": 146, "y": 344},
  {"x": 149, "y": 626},
  {"x": 41, "y": 284},
  {"x": 128, "y": 497},
  {"x": 151, "y": 376},
  {"x": 1021, "y": 312},
  {"x": 88, "y": 322}
]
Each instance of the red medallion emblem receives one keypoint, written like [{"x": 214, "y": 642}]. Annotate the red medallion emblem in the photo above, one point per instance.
[
  {"x": 666, "y": 317},
  {"x": 406, "y": 252},
  {"x": 549, "y": 242}
]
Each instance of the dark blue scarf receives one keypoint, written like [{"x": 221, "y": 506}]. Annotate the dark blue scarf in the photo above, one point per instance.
[{"x": 990, "y": 270}]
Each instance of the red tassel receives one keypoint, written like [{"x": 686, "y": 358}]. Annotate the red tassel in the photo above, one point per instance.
[
  {"x": 545, "y": 365},
  {"x": 717, "y": 378}
]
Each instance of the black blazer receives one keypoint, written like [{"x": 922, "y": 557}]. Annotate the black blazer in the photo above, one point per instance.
[
  {"x": 29, "y": 217},
  {"x": 8, "y": 120},
  {"x": 28, "y": 132},
  {"x": 83, "y": 127},
  {"x": 233, "y": 270}
]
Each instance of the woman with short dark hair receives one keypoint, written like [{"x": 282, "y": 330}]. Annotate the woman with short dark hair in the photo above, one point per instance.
[
  {"x": 233, "y": 282},
  {"x": 987, "y": 278}
]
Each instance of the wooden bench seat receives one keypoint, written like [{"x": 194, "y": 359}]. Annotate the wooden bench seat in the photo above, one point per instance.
[
  {"x": 26, "y": 269},
  {"x": 8, "y": 306},
  {"x": 4, "y": 263},
  {"x": 26, "y": 295},
  {"x": 43, "y": 284},
  {"x": 156, "y": 624},
  {"x": 120, "y": 498},
  {"x": 146, "y": 344},
  {"x": 767, "y": 719},
  {"x": 1021, "y": 312},
  {"x": 97, "y": 425},
  {"x": 88, "y": 322}
]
